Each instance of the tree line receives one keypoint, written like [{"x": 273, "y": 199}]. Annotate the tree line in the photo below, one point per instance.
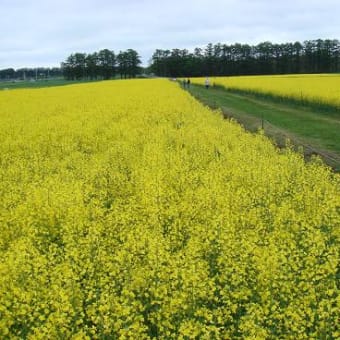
[
  {"x": 312, "y": 56},
  {"x": 104, "y": 64},
  {"x": 30, "y": 73}
]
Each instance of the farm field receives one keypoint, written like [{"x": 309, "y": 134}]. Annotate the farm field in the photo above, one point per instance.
[
  {"x": 40, "y": 83},
  {"x": 318, "y": 90},
  {"x": 129, "y": 210}
]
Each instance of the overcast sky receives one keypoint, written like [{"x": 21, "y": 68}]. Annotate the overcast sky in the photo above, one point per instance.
[{"x": 44, "y": 32}]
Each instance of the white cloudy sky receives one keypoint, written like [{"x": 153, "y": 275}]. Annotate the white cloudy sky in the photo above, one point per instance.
[{"x": 45, "y": 32}]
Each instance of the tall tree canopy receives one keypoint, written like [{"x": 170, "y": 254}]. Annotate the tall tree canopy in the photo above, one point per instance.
[
  {"x": 102, "y": 65},
  {"x": 312, "y": 56}
]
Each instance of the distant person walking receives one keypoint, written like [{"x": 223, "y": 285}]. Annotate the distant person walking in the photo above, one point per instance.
[
  {"x": 188, "y": 82},
  {"x": 207, "y": 83}
]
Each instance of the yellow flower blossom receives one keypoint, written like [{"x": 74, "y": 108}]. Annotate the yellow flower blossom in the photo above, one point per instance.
[{"x": 130, "y": 211}]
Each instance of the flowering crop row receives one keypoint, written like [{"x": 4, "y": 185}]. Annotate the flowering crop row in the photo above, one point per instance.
[
  {"x": 317, "y": 89},
  {"x": 128, "y": 210}
]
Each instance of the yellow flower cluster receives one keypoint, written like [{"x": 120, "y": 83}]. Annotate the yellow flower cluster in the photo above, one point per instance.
[
  {"x": 130, "y": 211},
  {"x": 321, "y": 89}
]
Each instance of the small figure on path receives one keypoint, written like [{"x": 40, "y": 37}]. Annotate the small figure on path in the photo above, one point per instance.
[
  {"x": 207, "y": 82},
  {"x": 188, "y": 82}
]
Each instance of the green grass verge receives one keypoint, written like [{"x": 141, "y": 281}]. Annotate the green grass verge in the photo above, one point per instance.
[{"x": 318, "y": 132}]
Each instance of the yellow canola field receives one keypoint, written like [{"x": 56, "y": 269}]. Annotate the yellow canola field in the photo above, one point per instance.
[
  {"x": 319, "y": 89},
  {"x": 130, "y": 211}
]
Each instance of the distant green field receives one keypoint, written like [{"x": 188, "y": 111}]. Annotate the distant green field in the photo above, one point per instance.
[{"x": 37, "y": 83}]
